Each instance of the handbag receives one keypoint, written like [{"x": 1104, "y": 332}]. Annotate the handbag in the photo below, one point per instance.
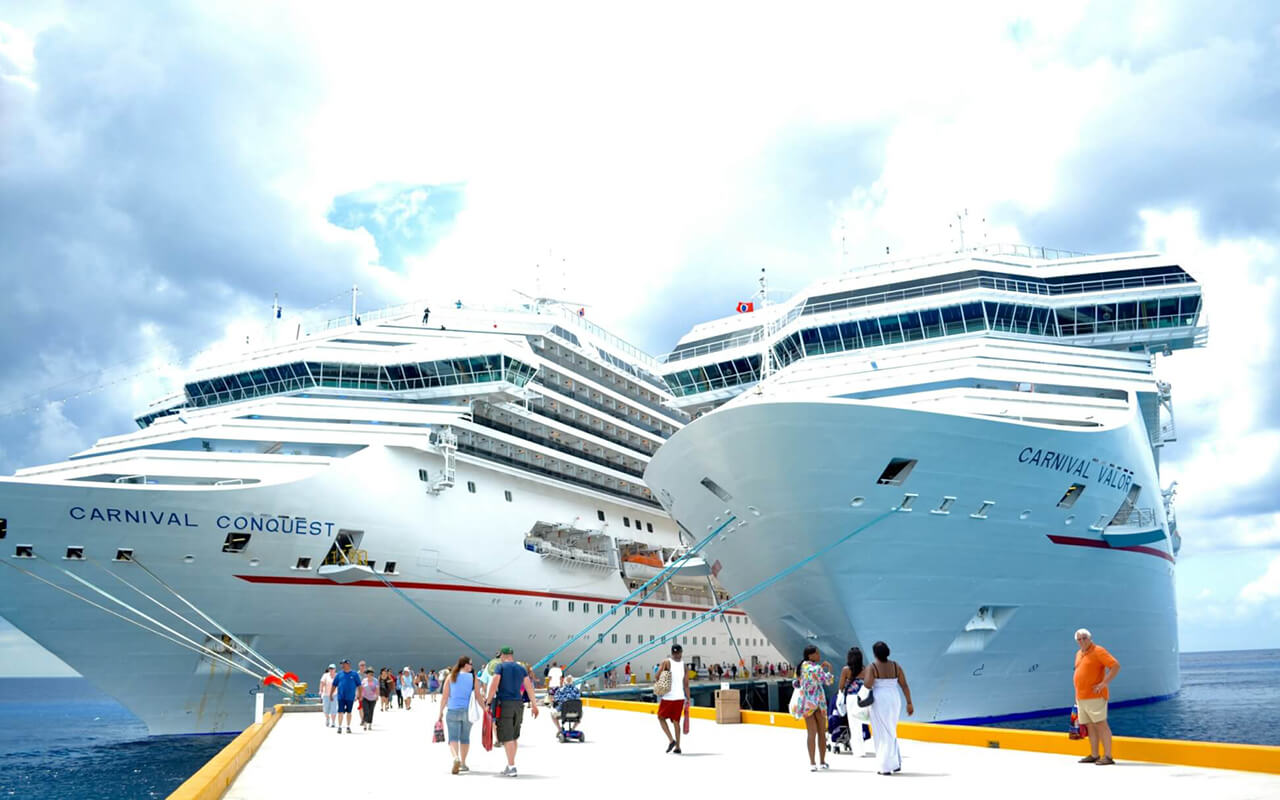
[
  {"x": 486, "y": 732},
  {"x": 686, "y": 716},
  {"x": 866, "y": 697},
  {"x": 663, "y": 684},
  {"x": 438, "y": 736},
  {"x": 475, "y": 711},
  {"x": 794, "y": 706}
]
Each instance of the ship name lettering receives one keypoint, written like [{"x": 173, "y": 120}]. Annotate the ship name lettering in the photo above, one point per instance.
[
  {"x": 1058, "y": 462},
  {"x": 132, "y": 516},
  {"x": 298, "y": 525}
]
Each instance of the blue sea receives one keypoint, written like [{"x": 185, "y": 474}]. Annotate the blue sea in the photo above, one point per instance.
[{"x": 61, "y": 739}]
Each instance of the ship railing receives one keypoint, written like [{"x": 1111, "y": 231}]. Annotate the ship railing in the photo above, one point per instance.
[
  {"x": 352, "y": 556},
  {"x": 1140, "y": 517}
]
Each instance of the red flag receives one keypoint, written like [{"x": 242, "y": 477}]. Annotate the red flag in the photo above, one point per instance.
[{"x": 744, "y": 308}]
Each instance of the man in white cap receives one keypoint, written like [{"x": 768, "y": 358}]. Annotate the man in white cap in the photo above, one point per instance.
[
  {"x": 1095, "y": 668},
  {"x": 327, "y": 701}
]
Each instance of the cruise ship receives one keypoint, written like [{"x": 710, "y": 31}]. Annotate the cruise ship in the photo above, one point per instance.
[
  {"x": 971, "y": 442},
  {"x": 393, "y": 487}
]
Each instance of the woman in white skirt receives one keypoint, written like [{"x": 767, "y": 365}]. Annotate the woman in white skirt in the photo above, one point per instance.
[{"x": 888, "y": 683}]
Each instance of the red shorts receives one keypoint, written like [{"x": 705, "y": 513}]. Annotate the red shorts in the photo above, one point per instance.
[{"x": 670, "y": 709}]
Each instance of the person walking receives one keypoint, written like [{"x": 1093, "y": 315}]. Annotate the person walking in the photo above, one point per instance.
[
  {"x": 811, "y": 676},
  {"x": 327, "y": 702},
  {"x": 455, "y": 711},
  {"x": 849, "y": 685},
  {"x": 626, "y": 673},
  {"x": 420, "y": 685},
  {"x": 1095, "y": 668},
  {"x": 671, "y": 703},
  {"x": 406, "y": 688},
  {"x": 888, "y": 684},
  {"x": 509, "y": 679},
  {"x": 368, "y": 699},
  {"x": 554, "y": 676},
  {"x": 345, "y": 684},
  {"x": 433, "y": 686}
]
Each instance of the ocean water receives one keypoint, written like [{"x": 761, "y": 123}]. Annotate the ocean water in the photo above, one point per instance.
[
  {"x": 61, "y": 739},
  {"x": 1226, "y": 697}
]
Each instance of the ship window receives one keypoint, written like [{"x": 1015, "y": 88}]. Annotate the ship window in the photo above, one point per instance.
[
  {"x": 303, "y": 563},
  {"x": 555, "y": 605},
  {"x": 507, "y": 494},
  {"x": 471, "y": 486},
  {"x": 713, "y": 640},
  {"x": 390, "y": 568},
  {"x": 704, "y": 641},
  {"x": 1072, "y": 495},
  {"x": 422, "y": 475},
  {"x": 586, "y": 608},
  {"x": 613, "y": 638},
  {"x": 628, "y": 638},
  {"x": 981, "y": 513},
  {"x": 716, "y": 489},
  {"x": 373, "y": 567},
  {"x": 897, "y": 471},
  {"x": 662, "y": 614},
  {"x": 124, "y": 554},
  {"x": 599, "y": 515},
  {"x": 649, "y": 526},
  {"x": 4, "y": 528},
  {"x": 651, "y": 613},
  {"x": 686, "y": 640},
  {"x": 75, "y": 553},
  {"x": 24, "y": 551},
  {"x": 626, "y": 522},
  {"x": 945, "y": 506},
  {"x": 570, "y": 605},
  {"x": 235, "y": 542}
]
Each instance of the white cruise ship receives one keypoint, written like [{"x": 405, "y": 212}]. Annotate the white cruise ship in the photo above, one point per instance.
[
  {"x": 990, "y": 424},
  {"x": 312, "y": 500}
]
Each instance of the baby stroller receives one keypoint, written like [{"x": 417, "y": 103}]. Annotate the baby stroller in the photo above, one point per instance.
[
  {"x": 569, "y": 714},
  {"x": 843, "y": 728},
  {"x": 839, "y": 737}
]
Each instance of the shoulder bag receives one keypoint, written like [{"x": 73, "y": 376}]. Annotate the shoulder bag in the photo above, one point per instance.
[{"x": 663, "y": 684}]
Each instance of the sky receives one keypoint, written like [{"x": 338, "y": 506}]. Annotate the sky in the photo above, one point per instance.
[{"x": 168, "y": 169}]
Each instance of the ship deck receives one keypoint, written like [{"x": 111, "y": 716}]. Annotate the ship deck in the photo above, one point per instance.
[{"x": 623, "y": 756}]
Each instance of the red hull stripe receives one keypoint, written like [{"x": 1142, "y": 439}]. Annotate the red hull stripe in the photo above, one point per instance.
[
  {"x": 1076, "y": 541},
  {"x": 447, "y": 587}
]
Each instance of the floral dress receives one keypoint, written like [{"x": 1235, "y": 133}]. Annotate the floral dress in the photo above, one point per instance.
[{"x": 812, "y": 678}]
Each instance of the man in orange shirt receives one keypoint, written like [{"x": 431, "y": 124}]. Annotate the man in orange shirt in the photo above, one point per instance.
[{"x": 1095, "y": 668}]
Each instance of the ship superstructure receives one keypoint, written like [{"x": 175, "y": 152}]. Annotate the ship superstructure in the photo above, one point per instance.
[
  {"x": 990, "y": 422},
  {"x": 486, "y": 466}
]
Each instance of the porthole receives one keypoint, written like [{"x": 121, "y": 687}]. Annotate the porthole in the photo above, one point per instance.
[
  {"x": 188, "y": 559},
  {"x": 754, "y": 511},
  {"x": 857, "y": 501},
  {"x": 1069, "y": 520},
  {"x": 1026, "y": 512}
]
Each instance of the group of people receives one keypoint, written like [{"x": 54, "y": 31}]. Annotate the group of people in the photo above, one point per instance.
[
  {"x": 342, "y": 689},
  {"x": 887, "y": 692},
  {"x": 503, "y": 687},
  {"x": 887, "y": 683}
]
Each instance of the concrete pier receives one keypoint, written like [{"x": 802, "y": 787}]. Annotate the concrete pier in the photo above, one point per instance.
[{"x": 624, "y": 757}]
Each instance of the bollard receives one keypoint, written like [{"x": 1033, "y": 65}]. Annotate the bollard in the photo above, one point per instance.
[{"x": 257, "y": 707}]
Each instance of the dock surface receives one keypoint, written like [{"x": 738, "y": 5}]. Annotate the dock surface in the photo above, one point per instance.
[{"x": 624, "y": 757}]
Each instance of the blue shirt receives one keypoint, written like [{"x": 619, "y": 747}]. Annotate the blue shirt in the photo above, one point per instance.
[
  {"x": 460, "y": 690},
  {"x": 510, "y": 680},
  {"x": 346, "y": 683}
]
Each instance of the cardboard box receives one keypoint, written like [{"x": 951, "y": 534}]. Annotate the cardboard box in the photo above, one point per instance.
[{"x": 728, "y": 708}]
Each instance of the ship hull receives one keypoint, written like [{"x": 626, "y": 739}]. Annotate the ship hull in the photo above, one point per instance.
[
  {"x": 980, "y": 612},
  {"x": 459, "y": 554}
]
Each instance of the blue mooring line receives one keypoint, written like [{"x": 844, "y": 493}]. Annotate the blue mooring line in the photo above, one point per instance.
[
  {"x": 698, "y": 619},
  {"x": 665, "y": 575}
]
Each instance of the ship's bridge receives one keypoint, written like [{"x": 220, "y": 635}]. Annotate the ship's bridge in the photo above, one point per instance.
[{"x": 1134, "y": 302}]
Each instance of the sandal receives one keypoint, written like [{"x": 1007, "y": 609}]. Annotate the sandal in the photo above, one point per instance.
[
  {"x": 1104, "y": 761},
  {"x": 1089, "y": 760}
]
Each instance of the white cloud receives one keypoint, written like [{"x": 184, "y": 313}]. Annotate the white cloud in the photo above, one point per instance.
[{"x": 1264, "y": 590}]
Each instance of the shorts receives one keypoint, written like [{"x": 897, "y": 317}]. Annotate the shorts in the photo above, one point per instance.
[
  {"x": 671, "y": 709},
  {"x": 328, "y": 704},
  {"x": 510, "y": 715},
  {"x": 458, "y": 725},
  {"x": 344, "y": 704},
  {"x": 1093, "y": 709}
]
